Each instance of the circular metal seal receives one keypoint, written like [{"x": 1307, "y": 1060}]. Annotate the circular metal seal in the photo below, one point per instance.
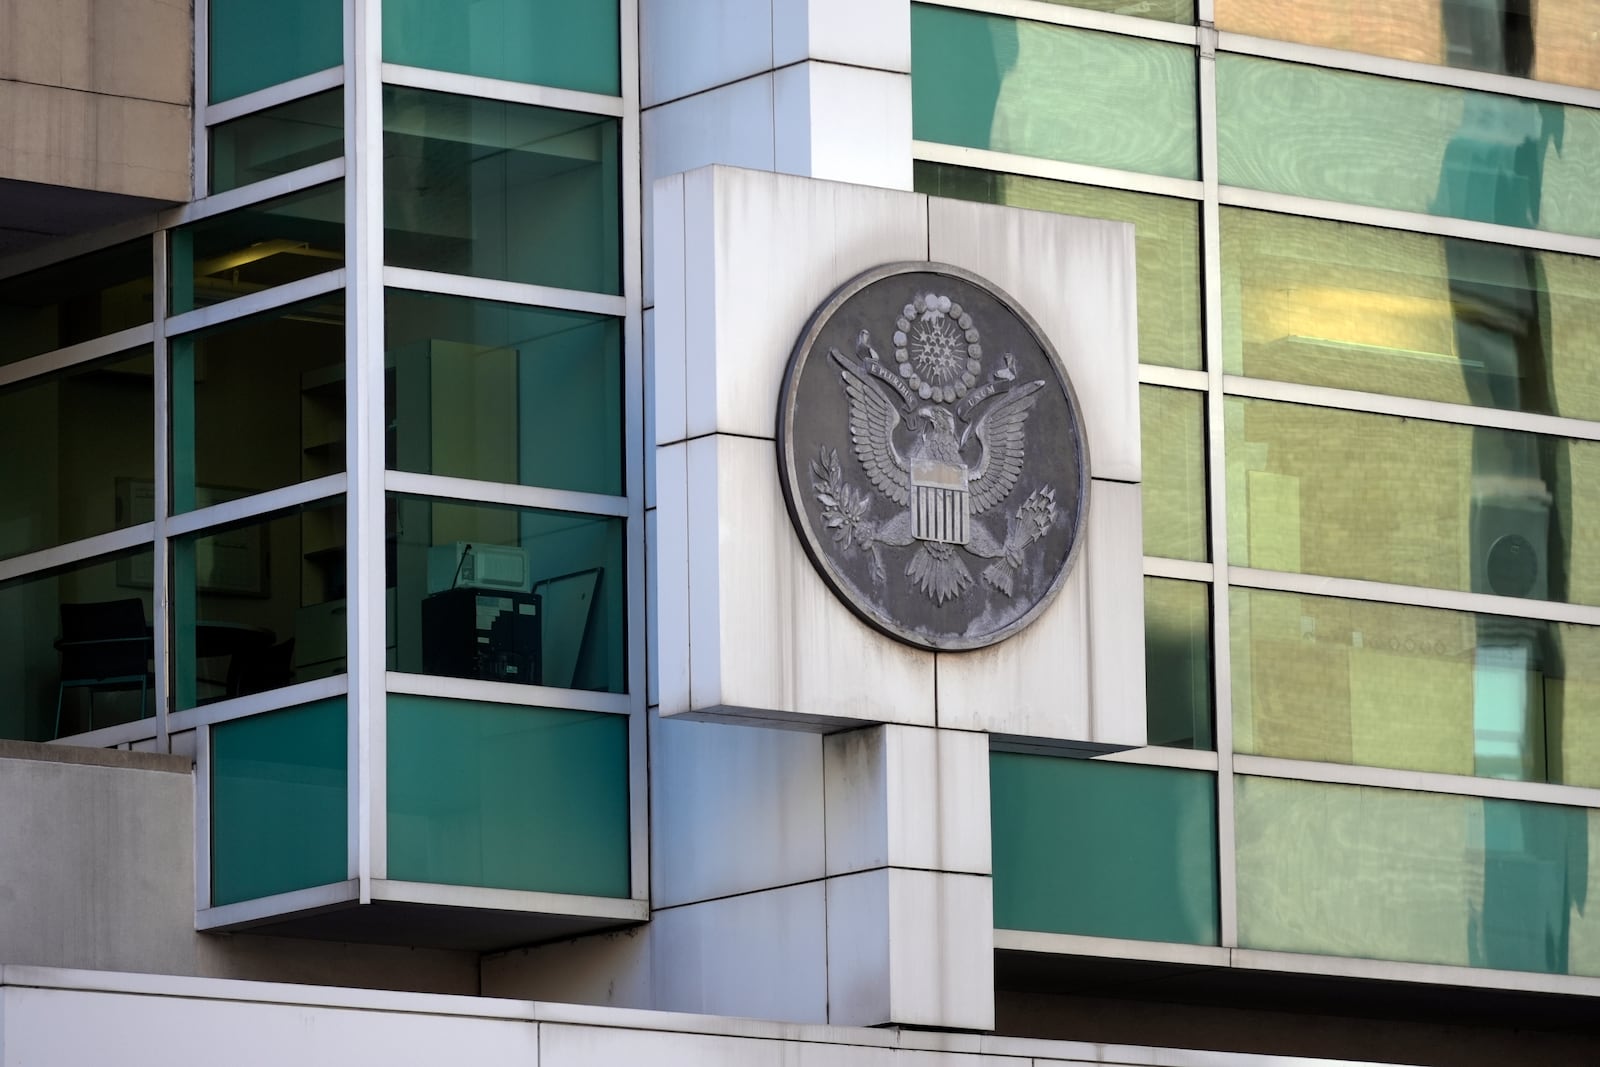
[{"x": 932, "y": 456}]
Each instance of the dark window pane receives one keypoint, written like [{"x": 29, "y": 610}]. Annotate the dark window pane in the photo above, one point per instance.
[
  {"x": 503, "y": 393},
  {"x": 509, "y": 594},
  {"x": 1108, "y": 849},
  {"x": 278, "y": 140},
  {"x": 571, "y": 44},
  {"x": 76, "y": 300},
  {"x": 508, "y": 797},
  {"x": 264, "y": 245},
  {"x": 254, "y": 45},
  {"x": 77, "y": 648},
  {"x": 88, "y": 437},
  {"x": 498, "y": 190},
  {"x": 1177, "y": 663}
]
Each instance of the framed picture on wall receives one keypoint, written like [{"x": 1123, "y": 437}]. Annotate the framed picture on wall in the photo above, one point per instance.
[{"x": 227, "y": 562}]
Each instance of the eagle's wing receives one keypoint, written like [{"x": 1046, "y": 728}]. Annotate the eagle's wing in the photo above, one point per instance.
[
  {"x": 873, "y": 418},
  {"x": 1000, "y": 431}
]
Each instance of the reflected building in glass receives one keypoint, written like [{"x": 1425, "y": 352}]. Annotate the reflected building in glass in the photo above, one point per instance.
[{"x": 330, "y": 538}]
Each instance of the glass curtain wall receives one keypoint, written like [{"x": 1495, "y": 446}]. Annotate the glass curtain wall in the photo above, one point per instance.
[{"x": 1369, "y": 356}]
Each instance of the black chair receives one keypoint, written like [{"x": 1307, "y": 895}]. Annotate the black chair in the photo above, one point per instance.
[
  {"x": 258, "y": 669},
  {"x": 105, "y": 647}
]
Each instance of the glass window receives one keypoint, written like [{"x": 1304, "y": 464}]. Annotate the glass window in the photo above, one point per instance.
[
  {"x": 509, "y": 594},
  {"x": 1346, "y": 870},
  {"x": 259, "y": 604},
  {"x": 1172, "y": 429},
  {"x": 1553, "y": 42},
  {"x": 254, "y": 45},
  {"x": 504, "y": 393},
  {"x": 1108, "y": 849},
  {"x": 987, "y": 81},
  {"x": 1360, "y": 139},
  {"x": 1352, "y": 495},
  {"x": 1166, "y": 237},
  {"x": 1439, "y": 318},
  {"x": 82, "y": 443},
  {"x": 1421, "y": 689},
  {"x": 571, "y": 44},
  {"x": 498, "y": 190},
  {"x": 1164, "y": 10},
  {"x": 264, "y": 245},
  {"x": 78, "y": 648},
  {"x": 507, "y": 796},
  {"x": 76, "y": 300},
  {"x": 258, "y": 403},
  {"x": 1177, "y": 663},
  {"x": 279, "y": 798},
  {"x": 278, "y": 140}
]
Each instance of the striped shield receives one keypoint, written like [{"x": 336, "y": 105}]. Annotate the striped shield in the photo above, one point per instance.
[{"x": 939, "y": 501}]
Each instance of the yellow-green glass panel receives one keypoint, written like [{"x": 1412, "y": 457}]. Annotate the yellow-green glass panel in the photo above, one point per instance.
[
  {"x": 570, "y": 44},
  {"x": 1177, "y": 663},
  {"x": 1388, "y": 143},
  {"x": 1413, "y": 314},
  {"x": 1166, "y": 239},
  {"x": 1034, "y": 89},
  {"x": 1172, "y": 429},
  {"x": 1342, "y": 870}
]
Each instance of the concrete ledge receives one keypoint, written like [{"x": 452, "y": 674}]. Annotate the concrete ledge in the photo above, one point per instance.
[{"x": 95, "y": 757}]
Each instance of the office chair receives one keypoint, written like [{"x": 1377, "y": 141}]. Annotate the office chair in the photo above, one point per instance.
[{"x": 105, "y": 647}]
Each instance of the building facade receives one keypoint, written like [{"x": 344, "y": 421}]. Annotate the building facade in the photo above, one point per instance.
[{"x": 397, "y": 597}]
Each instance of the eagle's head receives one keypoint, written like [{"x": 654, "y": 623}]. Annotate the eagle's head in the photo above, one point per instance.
[{"x": 939, "y": 417}]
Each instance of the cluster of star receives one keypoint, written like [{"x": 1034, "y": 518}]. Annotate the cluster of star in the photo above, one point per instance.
[{"x": 937, "y": 348}]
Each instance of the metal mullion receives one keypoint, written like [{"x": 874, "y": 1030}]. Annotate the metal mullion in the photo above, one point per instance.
[
  {"x": 257, "y": 505},
  {"x": 1374, "y": 777},
  {"x": 1057, "y": 170},
  {"x": 1173, "y": 377},
  {"x": 160, "y": 592},
  {"x": 242, "y": 307},
  {"x": 1113, "y": 948},
  {"x": 1414, "y": 596},
  {"x": 272, "y": 95},
  {"x": 547, "y": 296},
  {"x": 82, "y": 550},
  {"x": 255, "y": 703},
  {"x": 202, "y": 819},
  {"x": 490, "y": 692},
  {"x": 513, "y": 92},
  {"x": 439, "y": 486},
  {"x": 123, "y": 733},
  {"x": 1077, "y": 17},
  {"x": 82, "y": 352},
  {"x": 1184, "y": 570},
  {"x": 329, "y": 170},
  {"x": 1160, "y": 756},
  {"x": 200, "y": 176}
]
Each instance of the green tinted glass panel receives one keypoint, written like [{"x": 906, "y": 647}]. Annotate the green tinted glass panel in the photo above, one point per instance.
[
  {"x": 1166, "y": 238},
  {"x": 571, "y": 44},
  {"x": 259, "y": 605},
  {"x": 1346, "y": 870},
  {"x": 1422, "y": 689},
  {"x": 504, "y": 393},
  {"x": 1439, "y": 318},
  {"x": 77, "y": 648},
  {"x": 987, "y": 81},
  {"x": 1552, "y": 42},
  {"x": 498, "y": 190},
  {"x": 278, "y": 802},
  {"x": 1108, "y": 849},
  {"x": 508, "y": 594},
  {"x": 254, "y": 44},
  {"x": 264, "y": 245},
  {"x": 87, "y": 434},
  {"x": 1352, "y": 495},
  {"x": 1172, "y": 428},
  {"x": 76, "y": 300},
  {"x": 507, "y": 796},
  {"x": 258, "y": 403},
  {"x": 278, "y": 140},
  {"x": 1383, "y": 142},
  {"x": 1164, "y": 10},
  {"x": 1177, "y": 663}
]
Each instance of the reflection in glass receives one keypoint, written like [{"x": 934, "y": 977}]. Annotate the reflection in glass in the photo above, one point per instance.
[
  {"x": 77, "y": 648},
  {"x": 1163, "y": 10},
  {"x": 505, "y": 594},
  {"x": 258, "y": 403},
  {"x": 277, "y": 140},
  {"x": 1552, "y": 42},
  {"x": 1166, "y": 238},
  {"x": 1177, "y": 663},
  {"x": 1353, "y": 495},
  {"x": 507, "y": 796},
  {"x": 1423, "y": 877},
  {"x": 1421, "y": 689},
  {"x": 279, "y": 794},
  {"x": 82, "y": 447},
  {"x": 498, "y": 190},
  {"x": 1465, "y": 322},
  {"x": 259, "y": 605},
  {"x": 76, "y": 300},
  {"x": 987, "y": 81},
  {"x": 504, "y": 393},
  {"x": 1383, "y": 142},
  {"x": 571, "y": 44},
  {"x": 1105, "y": 849},
  {"x": 264, "y": 245},
  {"x": 1172, "y": 429},
  {"x": 254, "y": 45}
]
